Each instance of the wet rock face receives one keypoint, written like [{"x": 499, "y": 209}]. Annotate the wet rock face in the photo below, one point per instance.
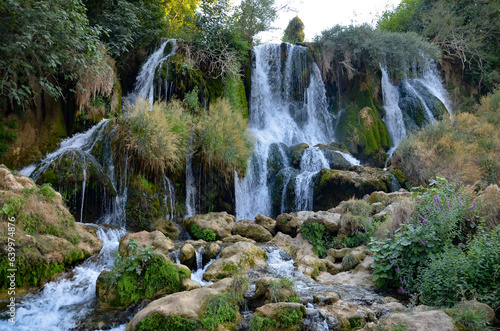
[
  {"x": 333, "y": 186},
  {"x": 156, "y": 239},
  {"x": 419, "y": 321},
  {"x": 250, "y": 229}
]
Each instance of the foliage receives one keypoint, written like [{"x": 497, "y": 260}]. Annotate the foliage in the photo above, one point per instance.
[
  {"x": 143, "y": 274},
  {"x": 294, "y": 32},
  {"x": 314, "y": 232},
  {"x": 283, "y": 291},
  {"x": 471, "y": 272},
  {"x": 219, "y": 308},
  {"x": 346, "y": 51},
  {"x": 442, "y": 216},
  {"x": 221, "y": 139},
  {"x": 466, "y": 31},
  {"x": 158, "y": 322},
  {"x": 465, "y": 149},
  {"x": 205, "y": 234},
  {"x": 126, "y": 24},
  {"x": 45, "y": 44},
  {"x": 217, "y": 47},
  {"x": 7, "y": 135},
  {"x": 254, "y": 16},
  {"x": 286, "y": 318},
  {"x": 154, "y": 137},
  {"x": 180, "y": 17}
]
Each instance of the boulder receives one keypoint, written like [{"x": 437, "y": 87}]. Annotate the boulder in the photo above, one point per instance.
[
  {"x": 213, "y": 250},
  {"x": 478, "y": 307},
  {"x": 220, "y": 223},
  {"x": 347, "y": 315},
  {"x": 331, "y": 221},
  {"x": 268, "y": 223},
  {"x": 238, "y": 257},
  {"x": 420, "y": 321},
  {"x": 237, "y": 238},
  {"x": 188, "y": 284},
  {"x": 250, "y": 229},
  {"x": 326, "y": 298},
  {"x": 187, "y": 304},
  {"x": 188, "y": 255},
  {"x": 348, "y": 278},
  {"x": 269, "y": 289},
  {"x": 333, "y": 186},
  {"x": 156, "y": 239},
  {"x": 287, "y": 224}
]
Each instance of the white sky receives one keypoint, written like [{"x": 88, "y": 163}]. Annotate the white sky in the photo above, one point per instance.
[{"x": 319, "y": 15}]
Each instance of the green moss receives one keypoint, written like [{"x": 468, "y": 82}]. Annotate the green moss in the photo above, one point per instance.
[
  {"x": 159, "y": 322},
  {"x": 286, "y": 318},
  {"x": 219, "y": 308},
  {"x": 234, "y": 91}
]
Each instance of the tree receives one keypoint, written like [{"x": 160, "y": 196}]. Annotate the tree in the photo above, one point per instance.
[
  {"x": 294, "y": 32},
  {"x": 254, "y": 16},
  {"x": 45, "y": 44}
]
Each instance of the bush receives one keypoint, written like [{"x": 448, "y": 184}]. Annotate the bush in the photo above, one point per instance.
[
  {"x": 219, "y": 308},
  {"x": 442, "y": 217},
  {"x": 154, "y": 137},
  {"x": 314, "y": 232},
  {"x": 158, "y": 322},
  {"x": 206, "y": 234},
  {"x": 471, "y": 273}
]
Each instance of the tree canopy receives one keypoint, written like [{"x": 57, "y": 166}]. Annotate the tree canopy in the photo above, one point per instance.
[{"x": 294, "y": 32}]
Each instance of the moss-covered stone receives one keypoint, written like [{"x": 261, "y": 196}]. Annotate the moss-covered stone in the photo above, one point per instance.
[
  {"x": 47, "y": 239},
  {"x": 333, "y": 186}
]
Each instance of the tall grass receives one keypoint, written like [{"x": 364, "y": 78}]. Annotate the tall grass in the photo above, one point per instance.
[
  {"x": 153, "y": 137},
  {"x": 221, "y": 139},
  {"x": 466, "y": 149}
]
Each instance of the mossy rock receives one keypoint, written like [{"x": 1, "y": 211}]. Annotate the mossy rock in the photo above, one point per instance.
[
  {"x": 282, "y": 191},
  {"x": 278, "y": 316},
  {"x": 333, "y": 186},
  {"x": 297, "y": 151}
]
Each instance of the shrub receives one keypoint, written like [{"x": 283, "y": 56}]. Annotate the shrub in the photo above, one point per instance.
[
  {"x": 457, "y": 274},
  {"x": 205, "y": 234},
  {"x": 222, "y": 140},
  {"x": 443, "y": 215},
  {"x": 143, "y": 274},
  {"x": 154, "y": 137},
  {"x": 314, "y": 232}
]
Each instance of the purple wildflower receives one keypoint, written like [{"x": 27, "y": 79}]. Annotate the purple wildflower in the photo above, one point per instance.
[
  {"x": 420, "y": 216},
  {"x": 404, "y": 281},
  {"x": 448, "y": 204},
  {"x": 426, "y": 208},
  {"x": 422, "y": 242},
  {"x": 401, "y": 280},
  {"x": 357, "y": 230},
  {"x": 475, "y": 203},
  {"x": 424, "y": 221},
  {"x": 402, "y": 289},
  {"x": 397, "y": 270},
  {"x": 364, "y": 228}
]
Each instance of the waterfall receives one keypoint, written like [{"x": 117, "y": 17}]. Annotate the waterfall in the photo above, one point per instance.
[
  {"x": 197, "y": 275},
  {"x": 145, "y": 83},
  {"x": 66, "y": 301},
  {"x": 393, "y": 114},
  {"x": 190, "y": 182},
  {"x": 288, "y": 106},
  {"x": 413, "y": 103}
]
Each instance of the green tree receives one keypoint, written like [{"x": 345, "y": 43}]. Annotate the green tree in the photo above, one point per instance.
[
  {"x": 254, "y": 16},
  {"x": 294, "y": 32},
  {"x": 128, "y": 24},
  {"x": 44, "y": 45}
]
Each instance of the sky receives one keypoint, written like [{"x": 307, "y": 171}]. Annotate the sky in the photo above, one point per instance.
[{"x": 319, "y": 15}]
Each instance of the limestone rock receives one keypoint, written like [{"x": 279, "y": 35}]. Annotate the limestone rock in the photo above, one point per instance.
[
  {"x": 268, "y": 223},
  {"x": 331, "y": 221},
  {"x": 326, "y": 298},
  {"x": 187, "y": 304},
  {"x": 287, "y": 224},
  {"x": 161, "y": 244},
  {"x": 220, "y": 223},
  {"x": 250, "y": 229},
  {"x": 237, "y": 238},
  {"x": 188, "y": 284},
  {"x": 479, "y": 307},
  {"x": 422, "y": 321},
  {"x": 188, "y": 255},
  {"x": 213, "y": 250},
  {"x": 348, "y": 314},
  {"x": 238, "y": 257},
  {"x": 349, "y": 278}
]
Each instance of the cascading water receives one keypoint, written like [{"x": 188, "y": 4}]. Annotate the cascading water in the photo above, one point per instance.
[
  {"x": 145, "y": 83},
  {"x": 190, "y": 182},
  {"x": 413, "y": 103},
  {"x": 65, "y": 302},
  {"x": 288, "y": 106},
  {"x": 197, "y": 275}
]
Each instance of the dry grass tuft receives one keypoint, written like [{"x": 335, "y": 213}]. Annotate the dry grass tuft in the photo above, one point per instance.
[
  {"x": 466, "y": 150},
  {"x": 222, "y": 140},
  {"x": 401, "y": 213},
  {"x": 97, "y": 79},
  {"x": 153, "y": 137},
  {"x": 489, "y": 201}
]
